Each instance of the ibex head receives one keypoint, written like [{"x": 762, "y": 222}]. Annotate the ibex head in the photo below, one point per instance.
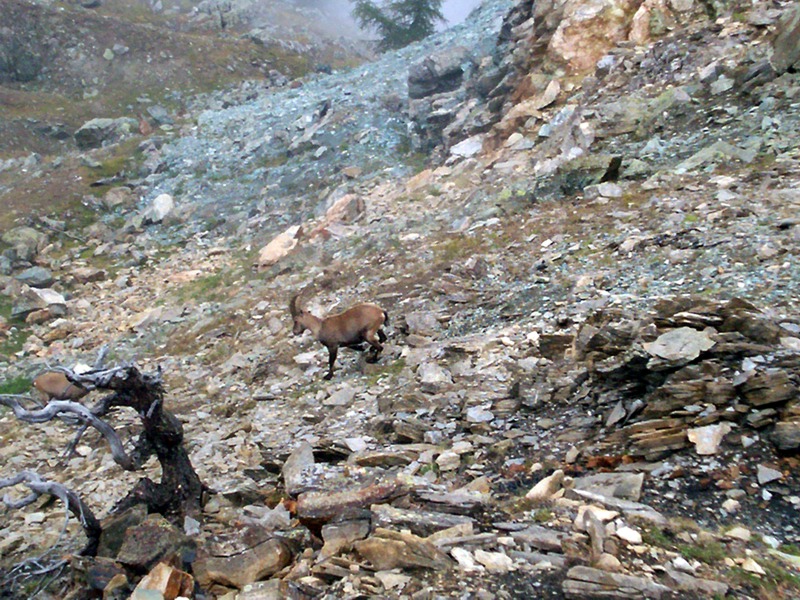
[{"x": 297, "y": 314}]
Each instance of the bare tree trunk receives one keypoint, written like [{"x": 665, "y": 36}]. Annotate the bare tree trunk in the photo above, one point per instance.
[{"x": 180, "y": 492}]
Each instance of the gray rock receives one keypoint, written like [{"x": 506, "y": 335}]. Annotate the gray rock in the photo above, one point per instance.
[
  {"x": 6, "y": 265},
  {"x": 33, "y": 299},
  {"x": 627, "y": 486},
  {"x": 767, "y": 475},
  {"x": 26, "y": 242},
  {"x": 160, "y": 115},
  {"x": 688, "y": 583},
  {"x": 786, "y": 435},
  {"x": 37, "y": 277},
  {"x": 422, "y": 323},
  {"x": 586, "y": 582},
  {"x": 295, "y": 468},
  {"x": 786, "y": 45},
  {"x": 96, "y": 132},
  {"x": 682, "y": 344},
  {"x": 441, "y": 72}
]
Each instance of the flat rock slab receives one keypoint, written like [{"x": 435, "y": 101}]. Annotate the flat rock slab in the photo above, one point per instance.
[
  {"x": 627, "y": 486},
  {"x": 681, "y": 344},
  {"x": 390, "y": 550},
  {"x": 258, "y": 562},
  {"x": 585, "y": 582}
]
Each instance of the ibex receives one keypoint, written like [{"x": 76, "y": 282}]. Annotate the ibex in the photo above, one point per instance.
[
  {"x": 53, "y": 385},
  {"x": 361, "y": 323}
]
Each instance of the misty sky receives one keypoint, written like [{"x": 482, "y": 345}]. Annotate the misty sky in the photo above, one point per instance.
[{"x": 456, "y": 11}]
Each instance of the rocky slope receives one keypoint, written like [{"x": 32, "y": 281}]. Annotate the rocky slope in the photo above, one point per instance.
[{"x": 590, "y": 387}]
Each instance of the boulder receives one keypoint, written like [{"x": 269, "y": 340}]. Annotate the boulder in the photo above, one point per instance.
[
  {"x": 26, "y": 242},
  {"x": 246, "y": 565},
  {"x": 589, "y": 30},
  {"x": 152, "y": 541},
  {"x": 279, "y": 247},
  {"x": 31, "y": 300},
  {"x": 441, "y": 72},
  {"x": 94, "y": 133},
  {"x": 786, "y": 45},
  {"x": 159, "y": 209},
  {"x": 37, "y": 277}
]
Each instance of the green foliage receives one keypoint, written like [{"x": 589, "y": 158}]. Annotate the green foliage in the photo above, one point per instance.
[
  {"x": 793, "y": 549},
  {"x": 398, "y": 23},
  {"x": 709, "y": 553},
  {"x": 543, "y": 515},
  {"x": 17, "y": 385}
]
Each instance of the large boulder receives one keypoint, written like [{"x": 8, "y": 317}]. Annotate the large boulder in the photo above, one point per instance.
[
  {"x": 32, "y": 300},
  {"x": 97, "y": 132},
  {"x": 438, "y": 73},
  {"x": 589, "y": 30},
  {"x": 786, "y": 46},
  {"x": 26, "y": 242}
]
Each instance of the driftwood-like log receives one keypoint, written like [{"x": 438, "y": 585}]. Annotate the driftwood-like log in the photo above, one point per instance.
[
  {"x": 73, "y": 502},
  {"x": 180, "y": 492},
  {"x": 56, "y": 408}
]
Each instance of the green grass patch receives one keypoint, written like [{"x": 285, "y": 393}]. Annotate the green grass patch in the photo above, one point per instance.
[
  {"x": 709, "y": 552},
  {"x": 655, "y": 536},
  {"x": 542, "y": 515},
  {"x": 779, "y": 582},
  {"x": 792, "y": 549},
  {"x": 690, "y": 218},
  {"x": 12, "y": 341},
  {"x": 15, "y": 385}
]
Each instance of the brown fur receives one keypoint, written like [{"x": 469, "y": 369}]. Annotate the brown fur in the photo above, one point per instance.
[
  {"x": 360, "y": 323},
  {"x": 53, "y": 385}
]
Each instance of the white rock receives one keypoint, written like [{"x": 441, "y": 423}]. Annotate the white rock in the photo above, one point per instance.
[
  {"x": 707, "y": 439},
  {"x": 341, "y": 397},
  {"x": 681, "y": 564},
  {"x": 609, "y": 190},
  {"x": 432, "y": 373},
  {"x": 462, "y": 447},
  {"x": 355, "y": 444},
  {"x": 306, "y": 358},
  {"x": 731, "y": 506},
  {"x": 752, "y": 566},
  {"x": 547, "y": 487},
  {"x": 159, "y": 209},
  {"x": 478, "y": 414},
  {"x": 739, "y": 533},
  {"x": 391, "y": 580},
  {"x": 35, "y": 517},
  {"x": 603, "y": 515},
  {"x": 792, "y": 343},
  {"x": 468, "y": 147},
  {"x": 495, "y": 562},
  {"x": 465, "y": 560},
  {"x": 448, "y": 461},
  {"x": 629, "y": 535}
]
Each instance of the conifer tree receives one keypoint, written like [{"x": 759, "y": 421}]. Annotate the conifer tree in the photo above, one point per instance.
[{"x": 398, "y": 22}]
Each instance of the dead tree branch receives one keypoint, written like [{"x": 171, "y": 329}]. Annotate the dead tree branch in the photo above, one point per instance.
[
  {"x": 54, "y": 408},
  {"x": 73, "y": 502},
  {"x": 180, "y": 492}
]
